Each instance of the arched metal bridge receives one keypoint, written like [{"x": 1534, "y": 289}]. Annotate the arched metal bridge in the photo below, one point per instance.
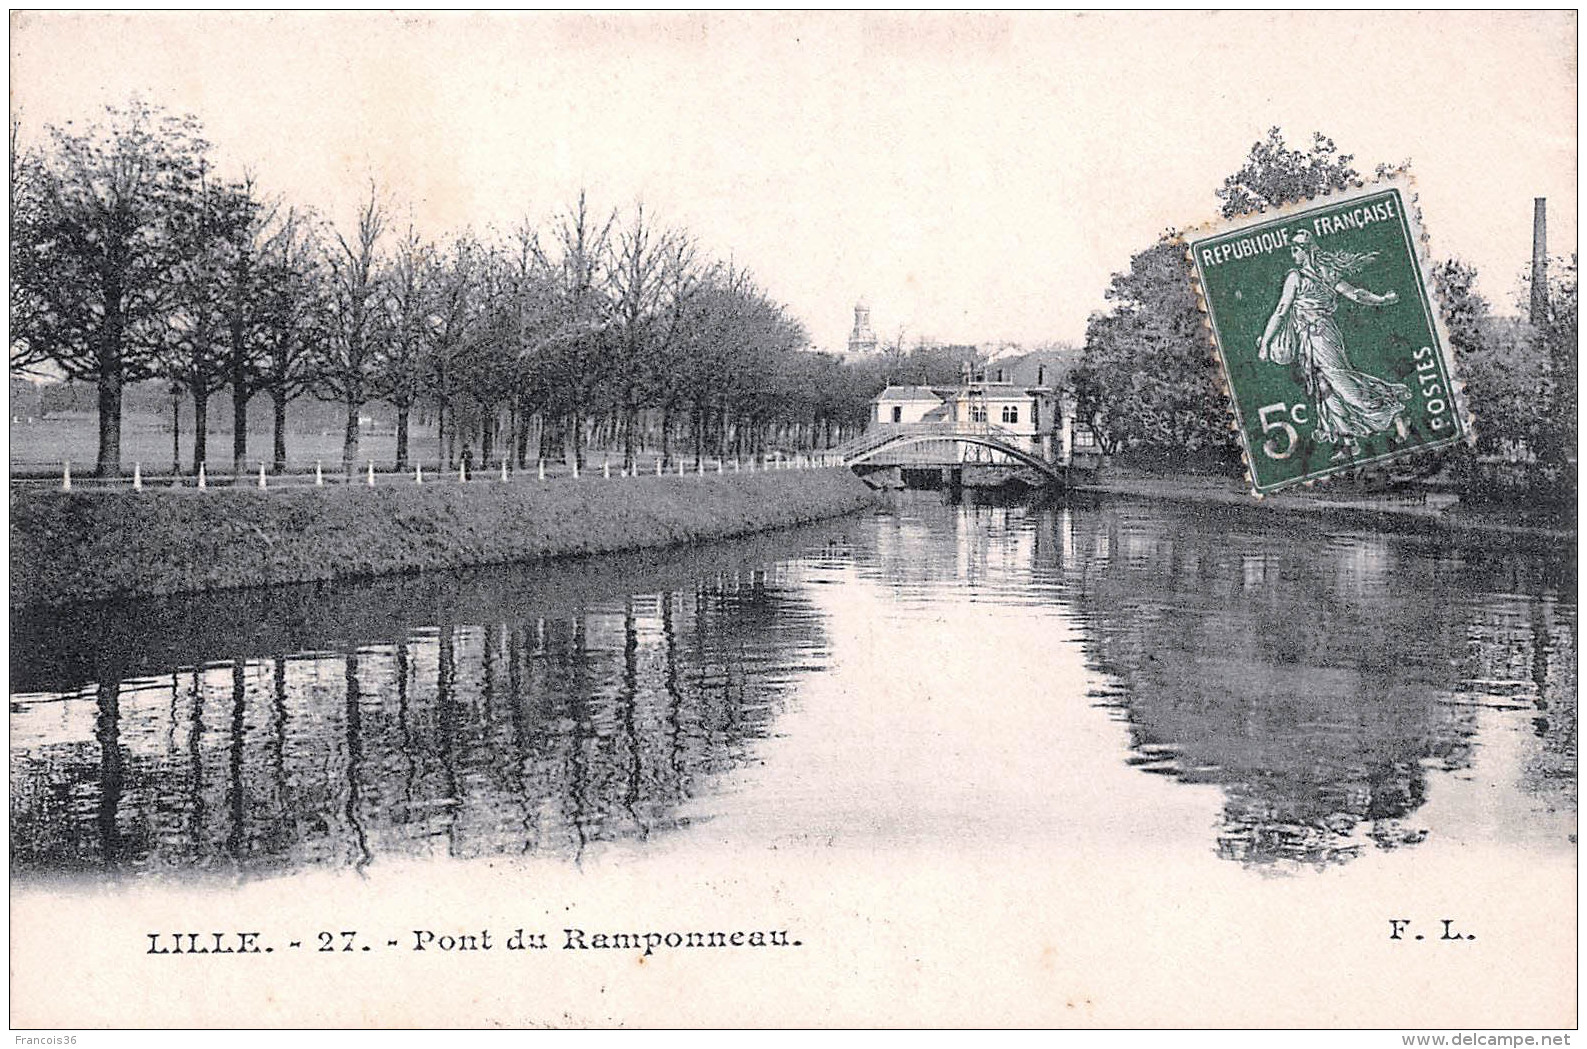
[{"x": 939, "y": 444}]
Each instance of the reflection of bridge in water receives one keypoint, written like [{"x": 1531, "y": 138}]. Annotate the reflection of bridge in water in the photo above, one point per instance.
[{"x": 948, "y": 447}]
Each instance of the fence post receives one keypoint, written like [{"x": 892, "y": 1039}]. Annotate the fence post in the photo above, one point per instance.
[
  {"x": 504, "y": 469},
  {"x": 575, "y": 467},
  {"x": 542, "y": 469},
  {"x": 319, "y": 475},
  {"x": 735, "y": 464},
  {"x": 418, "y": 473},
  {"x": 66, "y": 476},
  {"x": 462, "y": 474},
  {"x": 719, "y": 466},
  {"x": 658, "y": 466},
  {"x": 606, "y": 468},
  {"x": 370, "y": 475},
  {"x": 201, "y": 478},
  {"x": 680, "y": 467},
  {"x": 137, "y": 477},
  {"x": 261, "y": 475}
]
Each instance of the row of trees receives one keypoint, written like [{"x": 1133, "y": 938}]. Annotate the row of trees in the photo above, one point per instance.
[
  {"x": 1146, "y": 381},
  {"x": 132, "y": 259}
]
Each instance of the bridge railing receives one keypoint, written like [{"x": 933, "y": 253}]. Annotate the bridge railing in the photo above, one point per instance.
[{"x": 879, "y": 435}]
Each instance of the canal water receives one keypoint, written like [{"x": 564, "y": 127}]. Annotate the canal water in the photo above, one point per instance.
[
  {"x": 1274, "y": 693},
  {"x": 1108, "y": 763}
]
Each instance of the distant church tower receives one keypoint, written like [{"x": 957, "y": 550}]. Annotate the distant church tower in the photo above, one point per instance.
[{"x": 862, "y": 339}]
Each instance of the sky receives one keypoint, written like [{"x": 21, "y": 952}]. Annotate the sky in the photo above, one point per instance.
[{"x": 972, "y": 177}]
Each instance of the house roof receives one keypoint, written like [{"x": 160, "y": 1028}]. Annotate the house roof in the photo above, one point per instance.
[{"x": 908, "y": 393}]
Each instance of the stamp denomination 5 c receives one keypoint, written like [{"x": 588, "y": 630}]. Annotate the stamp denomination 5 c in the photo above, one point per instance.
[{"x": 1328, "y": 335}]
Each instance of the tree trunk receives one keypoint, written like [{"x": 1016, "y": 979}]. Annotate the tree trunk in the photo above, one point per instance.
[
  {"x": 109, "y": 464},
  {"x": 521, "y": 438},
  {"x": 666, "y": 436},
  {"x": 279, "y": 397},
  {"x": 200, "y": 426},
  {"x": 402, "y": 436},
  {"x": 630, "y": 424},
  {"x": 350, "y": 437},
  {"x": 111, "y": 376},
  {"x": 240, "y": 395},
  {"x": 440, "y": 431},
  {"x": 176, "y": 433}
]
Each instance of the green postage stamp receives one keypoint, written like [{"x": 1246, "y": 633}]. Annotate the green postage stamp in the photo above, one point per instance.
[{"x": 1329, "y": 336}]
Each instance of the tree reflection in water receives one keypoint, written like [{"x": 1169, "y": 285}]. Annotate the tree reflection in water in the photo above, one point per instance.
[
  {"x": 523, "y": 718},
  {"x": 1317, "y": 674},
  {"x": 1321, "y": 677}
]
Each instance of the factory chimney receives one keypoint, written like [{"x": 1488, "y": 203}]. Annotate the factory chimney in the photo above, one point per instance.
[{"x": 1539, "y": 312}]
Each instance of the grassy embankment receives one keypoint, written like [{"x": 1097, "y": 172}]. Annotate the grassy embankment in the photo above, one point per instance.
[
  {"x": 1386, "y": 509},
  {"x": 93, "y": 545}
]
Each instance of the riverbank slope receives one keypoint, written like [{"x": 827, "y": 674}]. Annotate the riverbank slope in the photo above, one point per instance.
[
  {"x": 75, "y": 546},
  {"x": 1430, "y": 510}
]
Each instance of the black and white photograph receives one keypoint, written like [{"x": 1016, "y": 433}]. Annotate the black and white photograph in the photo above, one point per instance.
[{"x": 772, "y": 520}]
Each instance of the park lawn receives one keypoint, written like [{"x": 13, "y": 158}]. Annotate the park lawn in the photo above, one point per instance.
[{"x": 43, "y": 444}]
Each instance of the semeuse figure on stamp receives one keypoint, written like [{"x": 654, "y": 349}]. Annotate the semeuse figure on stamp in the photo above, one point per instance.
[{"x": 1350, "y": 404}]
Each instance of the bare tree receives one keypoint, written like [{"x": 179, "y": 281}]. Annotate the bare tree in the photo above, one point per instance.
[
  {"x": 246, "y": 243},
  {"x": 449, "y": 327},
  {"x": 401, "y": 378},
  {"x": 97, "y": 235},
  {"x": 293, "y": 316},
  {"x": 574, "y": 263},
  {"x": 350, "y": 356}
]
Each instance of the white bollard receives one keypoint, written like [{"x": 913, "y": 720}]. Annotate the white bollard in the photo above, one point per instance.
[
  {"x": 701, "y": 464},
  {"x": 261, "y": 475},
  {"x": 319, "y": 475},
  {"x": 606, "y": 468},
  {"x": 462, "y": 475},
  {"x": 137, "y": 477},
  {"x": 542, "y": 469},
  {"x": 680, "y": 467},
  {"x": 504, "y": 469},
  {"x": 370, "y": 474},
  {"x": 66, "y": 476},
  {"x": 658, "y": 467},
  {"x": 201, "y": 479},
  {"x": 418, "y": 473},
  {"x": 735, "y": 465},
  {"x": 719, "y": 466},
  {"x": 575, "y": 469}
]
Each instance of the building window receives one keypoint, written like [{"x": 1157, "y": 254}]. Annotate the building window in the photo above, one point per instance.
[
  {"x": 1011, "y": 413},
  {"x": 1084, "y": 438},
  {"x": 978, "y": 413},
  {"x": 898, "y": 413}
]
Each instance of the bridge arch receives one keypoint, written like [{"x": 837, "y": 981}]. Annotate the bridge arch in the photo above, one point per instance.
[{"x": 902, "y": 440}]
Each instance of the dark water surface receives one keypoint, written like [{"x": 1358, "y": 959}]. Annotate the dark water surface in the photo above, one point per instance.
[{"x": 1309, "y": 692}]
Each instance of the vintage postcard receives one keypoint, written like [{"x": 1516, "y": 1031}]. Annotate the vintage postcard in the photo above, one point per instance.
[
  {"x": 1308, "y": 405},
  {"x": 712, "y": 519}
]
